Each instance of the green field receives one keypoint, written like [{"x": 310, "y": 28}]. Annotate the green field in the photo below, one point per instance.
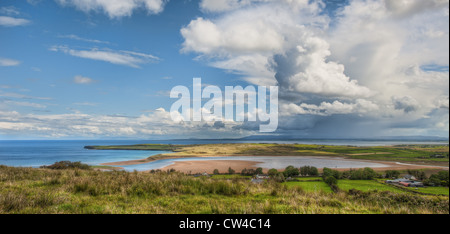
[
  {"x": 366, "y": 186},
  {"x": 309, "y": 178},
  {"x": 313, "y": 186},
  {"x": 224, "y": 176},
  {"x": 432, "y": 190}
]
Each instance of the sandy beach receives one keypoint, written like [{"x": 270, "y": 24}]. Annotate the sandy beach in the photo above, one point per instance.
[{"x": 193, "y": 167}]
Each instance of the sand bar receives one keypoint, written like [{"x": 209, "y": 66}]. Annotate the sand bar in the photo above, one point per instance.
[
  {"x": 193, "y": 167},
  {"x": 139, "y": 161}
]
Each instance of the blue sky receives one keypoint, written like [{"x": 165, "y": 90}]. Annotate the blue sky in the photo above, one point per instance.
[
  {"x": 118, "y": 89},
  {"x": 104, "y": 69}
]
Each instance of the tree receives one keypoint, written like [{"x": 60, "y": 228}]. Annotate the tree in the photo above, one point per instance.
[
  {"x": 422, "y": 176},
  {"x": 231, "y": 171},
  {"x": 216, "y": 172},
  {"x": 314, "y": 171},
  {"x": 369, "y": 173},
  {"x": 291, "y": 171},
  {"x": 304, "y": 170},
  {"x": 309, "y": 171},
  {"x": 433, "y": 181},
  {"x": 419, "y": 174},
  {"x": 362, "y": 174},
  {"x": 273, "y": 172},
  {"x": 392, "y": 174},
  {"x": 244, "y": 171},
  {"x": 248, "y": 172},
  {"x": 439, "y": 179},
  {"x": 443, "y": 175},
  {"x": 259, "y": 171}
]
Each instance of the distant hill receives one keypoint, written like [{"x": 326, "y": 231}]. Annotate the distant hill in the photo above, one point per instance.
[{"x": 385, "y": 138}]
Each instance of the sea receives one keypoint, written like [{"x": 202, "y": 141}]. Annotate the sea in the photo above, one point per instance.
[{"x": 36, "y": 153}]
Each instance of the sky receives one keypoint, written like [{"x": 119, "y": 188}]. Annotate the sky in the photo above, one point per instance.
[{"x": 97, "y": 69}]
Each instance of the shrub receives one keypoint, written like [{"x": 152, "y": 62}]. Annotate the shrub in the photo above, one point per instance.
[
  {"x": 327, "y": 172},
  {"x": 330, "y": 180},
  {"x": 67, "y": 165},
  {"x": 279, "y": 177}
]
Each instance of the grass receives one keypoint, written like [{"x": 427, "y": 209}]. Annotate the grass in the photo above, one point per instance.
[
  {"x": 236, "y": 176},
  {"x": 309, "y": 178},
  {"x": 432, "y": 190},
  {"x": 366, "y": 186},
  {"x": 74, "y": 191},
  {"x": 310, "y": 186},
  {"x": 104, "y": 167}
]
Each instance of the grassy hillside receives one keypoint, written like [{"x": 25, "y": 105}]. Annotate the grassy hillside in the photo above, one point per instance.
[{"x": 26, "y": 190}]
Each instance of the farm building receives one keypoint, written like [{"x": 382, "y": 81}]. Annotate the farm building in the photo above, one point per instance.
[
  {"x": 397, "y": 181},
  {"x": 405, "y": 183},
  {"x": 416, "y": 184},
  {"x": 437, "y": 156},
  {"x": 265, "y": 177},
  {"x": 410, "y": 177}
]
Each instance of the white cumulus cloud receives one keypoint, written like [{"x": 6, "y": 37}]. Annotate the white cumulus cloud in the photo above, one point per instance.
[{"x": 372, "y": 61}]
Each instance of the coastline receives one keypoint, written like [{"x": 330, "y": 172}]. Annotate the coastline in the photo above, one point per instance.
[
  {"x": 145, "y": 160},
  {"x": 238, "y": 165},
  {"x": 376, "y": 155},
  {"x": 208, "y": 166}
]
